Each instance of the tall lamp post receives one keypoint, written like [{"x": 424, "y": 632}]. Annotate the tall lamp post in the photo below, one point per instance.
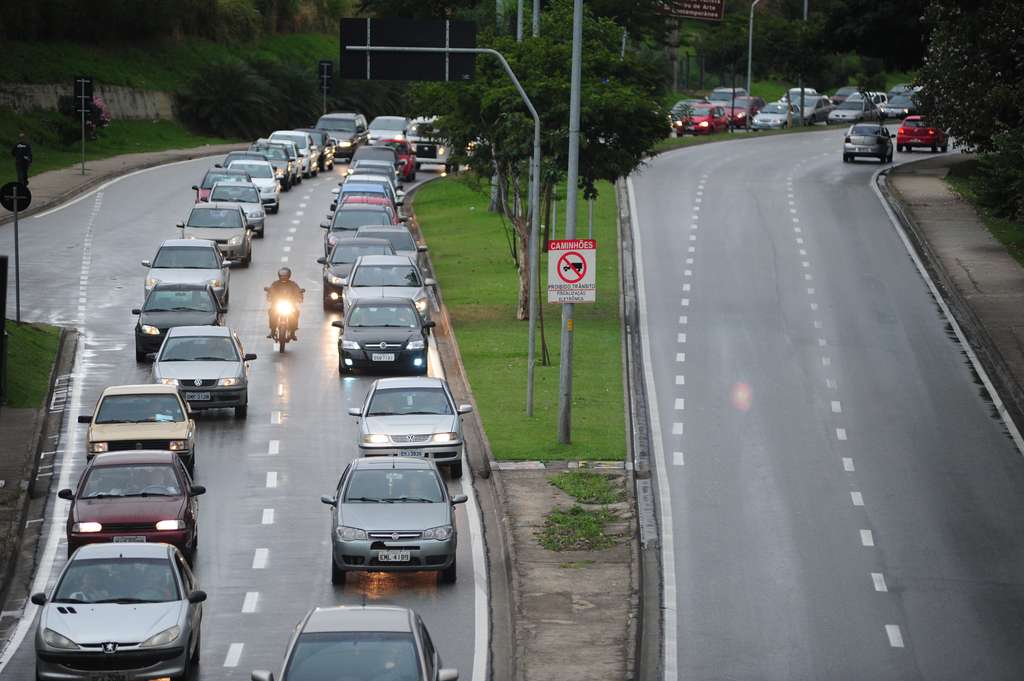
[{"x": 750, "y": 44}]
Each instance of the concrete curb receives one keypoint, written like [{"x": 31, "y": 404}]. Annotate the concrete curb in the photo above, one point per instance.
[
  {"x": 1006, "y": 385},
  {"x": 143, "y": 163}
]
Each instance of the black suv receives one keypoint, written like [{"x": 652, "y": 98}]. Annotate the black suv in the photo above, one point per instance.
[{"x": 348, "y": 130}]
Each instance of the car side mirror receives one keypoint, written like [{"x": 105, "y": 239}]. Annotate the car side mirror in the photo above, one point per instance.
[
  {"x": 430, "y": 282},
  {"x": 465, "y": 408},
  {"x": 180, "y": 225},
  {"x": 84, "y": 418},
  {"x": 321, "y": 261},
  {"x": 459, "y": 499},
  {"x": 338, "y": 324},
  {"x": 325, "y": 224},
  {"x": 355, "y": 411},
  {"x": 197, "y": 596},
  {"x": 66, "y": 494},
  {"x": 38, "y": 599},
  {"x": 195, "y": 187},
  {"x": 147, "y": 263},
  {"x": 196, "y": 490},
  {"x": 249, "y": 356},
  {"x": 335, "y": 190},
  {"x": 136, "y": 310},
  {"x": 334, "y": 206},
  {"x": 218, "y": 165},
  {"x": 429, "y": 325},
  {"x": 262, "y": 675},
  {"x": 403, "y": 218},
  {"x": 231, "y": 263},
  {"x": 329, "y": 500},
  {"x": 421, "y": 248},
  {"x": 448, "y": 675}
]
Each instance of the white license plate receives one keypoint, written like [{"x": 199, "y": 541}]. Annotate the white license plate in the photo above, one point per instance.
[
  {"x": 409, "y": 452},
  {"x": 129, "y": 540},
  {"x": 107, "y": 676},
  {"x": 383, "y": 356},
  {"x": 393, "y": 556},
  {"x": 197, "y": 397}
]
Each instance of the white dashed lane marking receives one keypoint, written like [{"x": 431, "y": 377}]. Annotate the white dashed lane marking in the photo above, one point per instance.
[
  {"x": 234, "y": 654},
  {"x": 841, "y": 433},
  {"x": 271, "y": 479},
  {"x": 677, "y": 428},
  {"x": 680, "y": 380},
  {"x": 857, "y": 498},
  {"x": 895, "y": 637},
  {"x": 275, "y": 418},
  {"x": 677, "y": 458},
  {"x": 837, "y": 407},
  {"x": 878, "y": 579},
  {"x": 274, "y": 446},
  {"x": 867, "y": 538},
  {"x": 848, "y": 464},
  {"x": 680, "y": 357},
  {"x": 249, "y": 604},
  {"x": 268, "y": 516},
  {"x": 680, "y": 404},
  {"x": 259, "y": 559}
]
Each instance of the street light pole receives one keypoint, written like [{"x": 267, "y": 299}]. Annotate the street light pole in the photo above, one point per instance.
[
  {"x": 565, "y": 363},
  {"x": 519, "y": 21},
  {"x": 536, "y": 18},
  {"x": 750, "y": 56}
]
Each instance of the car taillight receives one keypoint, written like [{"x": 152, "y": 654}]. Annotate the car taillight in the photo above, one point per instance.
[
  {"x": 931, "y": 131},
  {"x": 901, "y": 131}
]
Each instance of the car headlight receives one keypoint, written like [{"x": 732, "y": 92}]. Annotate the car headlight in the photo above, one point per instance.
[
  {"x": 421, "y": 305},
  {"x": 335, "y": 279},
  {"x": 178, "y": 445},
  {"x": 349, "y": 345},
  {"x": 445, "y": 437},
  {"x": 87, "y": 527},
  {"x": 168, "y": 635},
  {"x": 440, "y": 150},
  {"x": 376, "y": 439},
  {"x": 98, "y": 447},
  {"x": 703, "y": 124},
  {"x": 350, "y": 533},
  {"x": 169, "y": 381},
  {"x": 256, "y": 214},
  {"x": 442, "y": 533},
  {"x": 269, "y": 190},
  {"x": 150, "y": 330},
  {"x": 235, "y": 241},
  {"x": 278, "y": 172},
  {"x": 284, "y": 307},
  {"x": 151, "y": 282},
  {"x": 216, "y": 283},
  {"x": 741, "y": 114},
  {"x": 55, "y": 640},
  {"x": 344, "y": 144},
  {"x": 167, "y": 525},
  {"x": 415, "y": 344},
  {"x": 229, "y": 381},
  {"x": 398, "y": 136}
]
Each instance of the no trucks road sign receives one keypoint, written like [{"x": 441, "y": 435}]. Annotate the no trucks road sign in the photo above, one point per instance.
[{"x": 572, "y": 271}]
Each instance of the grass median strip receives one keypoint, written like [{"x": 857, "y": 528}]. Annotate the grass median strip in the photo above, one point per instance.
[
  {"x": 577, "y": 529},
  {"x": 469, "y": 248},
  {"x": 31, "y": 352},
  {"x": 588, "y": 487},
  {"x": 964, "y": 179}
]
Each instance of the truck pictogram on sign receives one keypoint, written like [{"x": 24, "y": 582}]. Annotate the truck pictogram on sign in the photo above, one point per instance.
[{"x": 571, "y": 271}]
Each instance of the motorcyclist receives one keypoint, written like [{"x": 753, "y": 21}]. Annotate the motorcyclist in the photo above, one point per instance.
[{"x": 284, "y": 289}]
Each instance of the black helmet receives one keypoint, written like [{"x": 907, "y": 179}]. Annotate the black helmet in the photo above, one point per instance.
[{"x": 284, "y": 274}]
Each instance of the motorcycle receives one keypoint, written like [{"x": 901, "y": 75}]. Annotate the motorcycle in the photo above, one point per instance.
[{"x": 284, "y": 320}]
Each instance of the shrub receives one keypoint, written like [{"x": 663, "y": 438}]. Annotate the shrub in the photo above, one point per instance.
[
  {"x": 229, "y": 100},
  {"x": 1001, "y": 172}
]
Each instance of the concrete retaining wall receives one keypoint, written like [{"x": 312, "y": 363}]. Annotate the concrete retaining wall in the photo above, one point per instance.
[{"x": 123, "y": 102}]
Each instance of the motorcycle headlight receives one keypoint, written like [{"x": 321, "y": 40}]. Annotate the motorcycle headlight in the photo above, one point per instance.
[
  {"x": 421, "y": 305},
  {"x": 235, "y": 241},
  {"x": 169, "y": 381},
  {"x": 87, "y": 527},
  {"x": 334, "y": 279},
  {"x": 216, "y": 283},
  {"x": 442, "y": 533},
  {"x": 229, "y": 381},
  {"x": 151, "y": 282},
  {"x": 376, "y": 439},
  {"x": 415, "y": 344},
  {"x": 349, "y": 345},
  {"x": 350, "y": 533},
  {"x": 97, "y": 447},
  {"x": 178, "y": 445},
  {"x": 167, "y": 525},
  {"x": 440, "y": 150},
  {"x": 55, "y": 640},
  {"x": 150, "y": 330},
  {"x": 284, "y": 307},
  {"x": 445, "y": 437},
  {"x": 344, "y": 144},
  {"x": 168, "y": 635}
]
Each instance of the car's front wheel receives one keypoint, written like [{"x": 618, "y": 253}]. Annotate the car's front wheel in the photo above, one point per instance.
[
  {"x": 140, "y": 356},
  {"x": 450, "y": 574},
  {"x": 455, "y": 470},
  {"x": 337, "y": 574},
  {"x": 242, "y": 411}
]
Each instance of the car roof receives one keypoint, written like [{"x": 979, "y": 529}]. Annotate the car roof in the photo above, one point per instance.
[
  {"x": 351, "y": 205},
  {"x": 359, "y": 186},
  {"x": 188, "y": 243},
  {"x": 385, "y": 228},
  {"x": 226, "y": 171},
  {"x": 391, "y": 118},
  {"x": 340, "y": 114},
  {"x": 215, "y": 331},
  {"x": 182, "y": 286},
  {"x": 384, "y": 260},
  {"x": 355, "y": 618},
  {"x": 215, "y": 205},
  {"x": 134, "y": 456},
  {"x": 915, "y": 117},
  {"x": 140, "y": 389},
  {"x": 409, "y": 382},
  {"x": 382, "y": 300},
  {"x": 123, "y": 550},
  {"x": 408, "y": 462}
]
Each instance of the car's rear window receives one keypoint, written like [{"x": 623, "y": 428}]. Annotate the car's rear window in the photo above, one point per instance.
[
  {"x": 345, "y": 253},
  {"x": 354, "y": 219},
  {"x": 915, "y": 124},
  {"x": 235, "y": 192},
  {"x": 255, "y": 169},
  {"x": 227, "y": 218},
  {"x": 276, "y": 153},
  {"x": 363, "y": 655},
  {"x": 375, "y": 153},
  {"x": 168, "y": 301},
  {"x": 186, "y": 257},
  {"x": 144, "y": 408},
  {"x": 401, "y": 239},
  {"x": 386, "y": 275},
  {"x": 213, "y": 177},
  {"x": 866, "y": 130}
]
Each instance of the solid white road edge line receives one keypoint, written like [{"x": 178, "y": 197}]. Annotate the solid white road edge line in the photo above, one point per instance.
[
  {"x": 669, "y": 663},
  {"x": 997, "y": 402}
]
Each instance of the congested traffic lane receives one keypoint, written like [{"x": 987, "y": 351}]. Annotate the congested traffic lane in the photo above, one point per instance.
[
  {"x": 264, "y": 535},
  {"x": 838, "y": 500}
]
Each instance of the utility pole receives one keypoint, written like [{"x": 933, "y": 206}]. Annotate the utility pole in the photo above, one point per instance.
[
  {"x": 800, "y": 83},
  {"x": 519, "y": 21},
  {"x": 565, "y": 363},
  {"x": 750, "y": 47},
  {"x": 536, "y": 18}
]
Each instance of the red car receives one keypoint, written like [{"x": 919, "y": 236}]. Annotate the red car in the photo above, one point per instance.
[
  {"x": 703, "y": 119},
  {"x": 134, "y": 496},
  {"x": 406, "y": 156},
  {"x": 349, "y": 200},
  {"x": 915, "y": 132},
  {"x": 215, "y": 175},
  {"x": 739, "y": 114}
]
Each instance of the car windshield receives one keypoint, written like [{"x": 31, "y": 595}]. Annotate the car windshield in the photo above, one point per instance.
[
  {"x": 198, "y": 349},
  {"x": 186, "y": 258},
  {"x": 866, "y": 130},
  {"x": 393, "y": 485},
  {"x": 901, "y": 101},
  {"x": 213, "y": 177},
  {"x": 131, "y": 480},
  {"x": 345, "y": 254},
  {"x": 846, "y": 91},
  {"x": 336, "y": 124},
  {"x": 374, "y": 167},
  {"x": 118, "y": 580},
  {"x": 363, "y": 655},
  {"x": 242, "y": 156},
  {"x": 227, "y": 218},
  {"x": 235, "y": 192},
  {"x": 700, "y": 110},
  {"x": 914, "y": 123},
  {"x": 385, "y": 275},
  {"x": 774, "y": 108},
  {"x": 275, "y": 153},
  {"x": 144, "y": 408},
  {"x": 376, "y": 154},
  {"x": 388, "y": 123},
  {"x": 354, "y": 219},
  {"x": 422, "y": 129},
  {"x": 852, "y": 105},
  {"x": 299, "y": 138},
  {"x": 402, "y": 316},
  {"x": 400, "y": 239},
  {"x": 402, "y": 401},
  {"x": 260, "y": 170},
  {"x": 167, "y": 301}
]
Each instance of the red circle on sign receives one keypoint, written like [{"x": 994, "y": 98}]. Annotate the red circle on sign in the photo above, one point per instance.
[{"x": 571, "y": 271}]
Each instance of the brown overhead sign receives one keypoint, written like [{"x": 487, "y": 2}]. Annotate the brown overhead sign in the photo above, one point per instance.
[{"x": 708, "y": 10}]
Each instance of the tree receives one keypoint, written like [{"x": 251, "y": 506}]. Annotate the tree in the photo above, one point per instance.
[{"x": 621, "y": 117}]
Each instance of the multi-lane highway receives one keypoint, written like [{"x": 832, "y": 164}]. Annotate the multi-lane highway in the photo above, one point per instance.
[
  {"x": 838, "y": 501},
  {"x": 264, "y": 534}
]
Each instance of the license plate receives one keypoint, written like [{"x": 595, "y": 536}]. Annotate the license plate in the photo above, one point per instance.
[
  {"x": 383, "y": 356},
  {"x": 197, "y": 397},
  {"x": 393, "y": 556},
  {"x": 409, "y": 452},
  {"x": 129, "y": 540},
  {"x": 108, "y": 676}
]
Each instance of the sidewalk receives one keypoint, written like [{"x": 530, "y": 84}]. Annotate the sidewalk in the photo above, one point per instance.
[
  {"x": 56, "y": 186},
  {"x": 982, "y": 283}
]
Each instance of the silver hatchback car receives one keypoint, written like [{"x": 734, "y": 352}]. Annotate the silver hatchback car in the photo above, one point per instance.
[
  {"x": 392, "y": 514},
  {"x": 868, "y": 139},
  {"x": 128, "y": 611},
  {"x": 415, "y": 417},
  {"x": 225, "y": 224},
  {"x": 208, "y": 365}
]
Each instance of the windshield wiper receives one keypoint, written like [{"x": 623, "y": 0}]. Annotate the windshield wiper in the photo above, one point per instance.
[
  {"x": 367, "y": 499},
  {"x": 148, "y": 494},
  {"x": 160, "y": 309},
  {"x": 103, "y": 495},
  {"x": 129, "y": 600},
  {"x": 421, "y": 500},
  {"x": 214, "y": 359},
  {"x": 383, "y": 413},
  {"x": 182, "y": 309},
  {"x": 69, "y": 600},
  {"x": 431, "y": 413}
]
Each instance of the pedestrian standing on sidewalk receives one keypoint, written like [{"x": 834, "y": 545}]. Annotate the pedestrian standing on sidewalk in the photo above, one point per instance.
[{"x": 22, "y": 153}]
